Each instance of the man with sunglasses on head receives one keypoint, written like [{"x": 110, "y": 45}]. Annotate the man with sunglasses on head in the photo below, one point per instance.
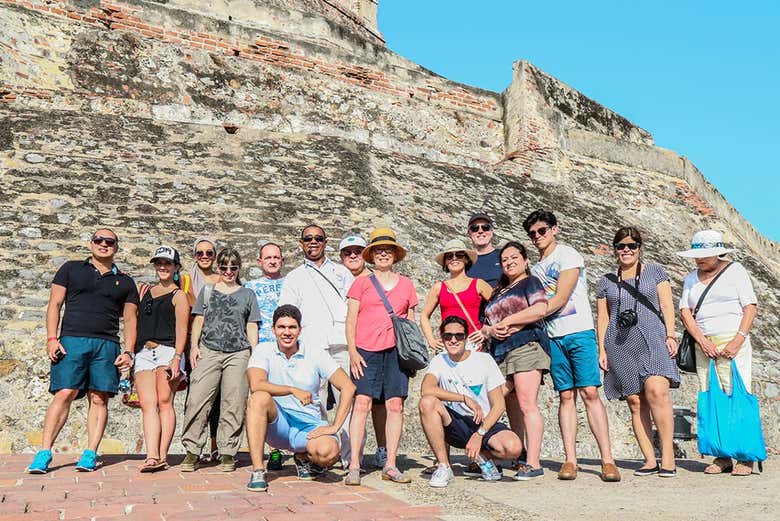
[
  {"x": 488, "y": 265},
  {"x": 318, "y": 288},
  {"x": 574, "y": 356},
  {"x": 85, "y": 354}
]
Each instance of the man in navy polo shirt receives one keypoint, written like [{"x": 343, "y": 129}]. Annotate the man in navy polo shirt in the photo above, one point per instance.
[
  {"x": 488, "y": 265},
  {"x": 86, "y": 357}
]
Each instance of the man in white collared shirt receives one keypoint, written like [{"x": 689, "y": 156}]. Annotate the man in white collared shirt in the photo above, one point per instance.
[{"x": 319, "y": 288}]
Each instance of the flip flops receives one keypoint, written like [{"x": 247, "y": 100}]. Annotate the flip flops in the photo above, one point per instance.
[
  {"x": 719, "y": 466},
  {"x": 153, "y": 465}
]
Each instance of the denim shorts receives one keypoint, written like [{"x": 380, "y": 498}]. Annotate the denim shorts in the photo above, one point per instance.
[
  {"x": 290, "y": 429},
  {"x": 88, "y": 365},
  {"x": 462, "y": 428},
  {"x": 382, "y": 376},
  {"x": 574, "y": 361}
]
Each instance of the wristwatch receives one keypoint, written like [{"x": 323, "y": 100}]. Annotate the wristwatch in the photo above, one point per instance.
[
  {"x": 481, "y": 432},
  {"x": 130, "y": 354}
]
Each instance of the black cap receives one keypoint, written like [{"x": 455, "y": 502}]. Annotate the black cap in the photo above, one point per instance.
[{"x": 479, "y": 215}]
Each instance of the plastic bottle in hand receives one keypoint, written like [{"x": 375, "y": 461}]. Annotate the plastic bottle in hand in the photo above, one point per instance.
[
  {"x": 125, "y": 385},
  {"x": 489, "y": 470}
]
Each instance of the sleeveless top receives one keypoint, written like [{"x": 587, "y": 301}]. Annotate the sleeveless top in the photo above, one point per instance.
[
  {"x": 156, "y": 320},
  {"x": 470, "y": 298}
]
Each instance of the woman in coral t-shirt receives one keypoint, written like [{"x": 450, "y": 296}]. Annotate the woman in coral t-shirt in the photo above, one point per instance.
[{"x": 372, "y": 352}]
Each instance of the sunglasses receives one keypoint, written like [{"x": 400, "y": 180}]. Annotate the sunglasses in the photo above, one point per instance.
[
  {"x": 317, "y": 238},
  {"x": 457, "y": 336},
  {"x": 231, "y": 269},
  {"x": 108, "y": 241},
  {"x": 483, "y": 227},
  {"x": 204, "y": 253},
  {"x": 454, "y": 255},
  {"x": 541, "y": 232},
  {"x": 351, "y": 252},
  {"x": 626, "y": 245}
]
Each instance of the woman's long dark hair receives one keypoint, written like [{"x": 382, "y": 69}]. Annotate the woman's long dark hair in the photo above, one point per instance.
[
  {"x": 503, "y": 282},
  {"x": 227, "y": 256}
]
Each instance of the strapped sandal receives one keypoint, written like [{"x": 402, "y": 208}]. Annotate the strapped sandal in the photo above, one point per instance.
[
  {"x": 353, "y": 477},
  {"x": 394, "y": 475},
  {"x": 742, "y": 468},
  {"x": 719, "y": 466},
  {"x": 152, "y": 465}
]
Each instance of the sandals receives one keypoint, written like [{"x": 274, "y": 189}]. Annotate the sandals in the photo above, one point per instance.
[
  {"x": 719, "y": 466},
  {"x": 353, "y": 477},
  {"x": 394, "y": 475},
  {"x": 153, "y": 465},
  {"x": 742, "y": 468}
]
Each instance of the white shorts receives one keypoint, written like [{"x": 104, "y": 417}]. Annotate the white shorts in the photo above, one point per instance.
[{"x": 150, "y": 359}]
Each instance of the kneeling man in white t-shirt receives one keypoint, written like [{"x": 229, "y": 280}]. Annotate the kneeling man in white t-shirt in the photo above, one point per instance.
[
  {"x": 284, "y": 407},
  {"x": 462, "y": 400}
]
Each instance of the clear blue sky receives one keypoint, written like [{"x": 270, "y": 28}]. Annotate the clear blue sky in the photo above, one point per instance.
[{"x": 702, "y": 76}]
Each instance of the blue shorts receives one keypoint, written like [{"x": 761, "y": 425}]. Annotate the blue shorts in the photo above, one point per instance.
[
  {"x": 87, "y": 366},
  {"x": 462, "y": 428},
  {"x": 574, "y": 361},
  {"x": 290, "y": 429},
  {"x": 382, "y": 377}
]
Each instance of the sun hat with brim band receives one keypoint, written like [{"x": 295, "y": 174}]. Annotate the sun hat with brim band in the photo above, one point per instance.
[
  {"x": 451, "y": 247},
  {"x": 380, "y": 237},
  {"x": 706, "y": 243},
  {"x": 167, "y": 253}
]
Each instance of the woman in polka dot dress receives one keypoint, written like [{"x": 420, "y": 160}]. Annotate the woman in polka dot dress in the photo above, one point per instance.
[{"x": 637, "y": 347}]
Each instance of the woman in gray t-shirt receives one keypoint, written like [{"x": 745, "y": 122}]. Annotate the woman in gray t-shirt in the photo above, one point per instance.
[{"x": 223, "y": 333}]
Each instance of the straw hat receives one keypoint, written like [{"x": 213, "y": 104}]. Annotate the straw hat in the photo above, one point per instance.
[
  {"x": 382, "y": 236},
  {"x": 452, "y": 246},
  {"x": 706, "y": 243}
]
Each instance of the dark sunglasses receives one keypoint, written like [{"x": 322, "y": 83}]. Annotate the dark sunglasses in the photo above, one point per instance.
[
  {"x": 351, "y": 252},
  {"x": 623, "y": 245},
  {"x": 477, "y": 227},
  {"x": 457, "y": 336},
  {"x": 108, "y": 241},
  {"x": 204, "y": 253},
  {"x": 454, "y": 255},
  {"x": 317, "y": 238},
  {"x": 541, "y": 232},
  {"x": 231, "y": 269}
]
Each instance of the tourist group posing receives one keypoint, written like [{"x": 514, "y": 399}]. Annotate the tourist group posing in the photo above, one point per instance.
[{"x": 302, "y": 361}]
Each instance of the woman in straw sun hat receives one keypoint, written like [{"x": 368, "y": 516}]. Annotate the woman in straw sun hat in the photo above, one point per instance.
[{"x": 721, "y": 328}]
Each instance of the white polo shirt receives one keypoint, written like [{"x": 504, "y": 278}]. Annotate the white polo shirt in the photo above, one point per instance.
[
  {"x": 303, "y": 370},
  {"x": 323, "y": 304}
]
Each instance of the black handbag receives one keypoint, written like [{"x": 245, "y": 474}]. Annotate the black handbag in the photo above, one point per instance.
[{"x": 686, "y": 352}]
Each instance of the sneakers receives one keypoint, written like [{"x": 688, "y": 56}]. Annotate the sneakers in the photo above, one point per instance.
[
  {"x": 40, "y": 464},
  {"x": 666, "y": 473},
  {"x": 441, "y": 476},
  {"x": 647, "y": 471},
  {"x": 380, "y": 458},
  {"x": 472, "y": 471},
  {"x": 257, "y": 482},
  {"x": 525, "y": 473},
  {"x": 88, "y": 461},
  {"x": 191, "y": 463},
  {"x": 304, "y": 468},
  {"x": 227, "y": 463},
  {"x": 275, "y": 460}
]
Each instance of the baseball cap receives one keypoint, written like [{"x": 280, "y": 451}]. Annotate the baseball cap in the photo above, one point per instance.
[
  {"x": 352, "y": 239},
  {"x": 479, "y": 215},
  {"x": 166, "y": 252}
]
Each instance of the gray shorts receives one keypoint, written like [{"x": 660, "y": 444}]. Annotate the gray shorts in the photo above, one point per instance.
[{"x": 525, "y": 358}]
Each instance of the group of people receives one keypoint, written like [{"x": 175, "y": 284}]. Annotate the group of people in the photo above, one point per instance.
[{"x": 302, "y": 360}]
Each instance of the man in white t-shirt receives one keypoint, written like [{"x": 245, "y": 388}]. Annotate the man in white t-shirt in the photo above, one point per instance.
[
  {"x": 574, "y": 356},
  {"x": 284, "y": 407},
  {"x": 462, "y": 400}
]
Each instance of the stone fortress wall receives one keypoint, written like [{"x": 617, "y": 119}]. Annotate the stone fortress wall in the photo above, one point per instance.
[{"x": 248, "y": 119}]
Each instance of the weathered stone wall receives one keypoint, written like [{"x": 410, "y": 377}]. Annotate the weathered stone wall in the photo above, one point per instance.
[{"x": 118, "y": 114}]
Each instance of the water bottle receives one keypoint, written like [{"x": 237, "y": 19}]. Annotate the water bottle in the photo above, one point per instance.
[
  {"x": 125, "y": 385},
  {"x": 489, "y": 470}
]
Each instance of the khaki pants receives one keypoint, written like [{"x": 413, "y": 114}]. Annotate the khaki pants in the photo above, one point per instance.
[
  {"x": 744, "y": 362},
  {"x": 226, "y": 372},
  {"x": 341, "y": 355}
]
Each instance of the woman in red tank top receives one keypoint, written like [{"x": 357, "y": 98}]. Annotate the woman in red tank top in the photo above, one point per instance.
[{"x": 455, "y": 259}]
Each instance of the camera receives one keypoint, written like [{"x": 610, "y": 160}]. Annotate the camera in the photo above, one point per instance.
[{"x": 627, "y": 318}]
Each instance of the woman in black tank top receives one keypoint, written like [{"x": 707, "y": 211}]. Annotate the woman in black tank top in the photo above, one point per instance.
[{"x": 163, "y": 322}]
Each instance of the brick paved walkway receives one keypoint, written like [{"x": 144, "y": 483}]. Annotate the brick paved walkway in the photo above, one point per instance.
[{"x": 119, "y": 492}]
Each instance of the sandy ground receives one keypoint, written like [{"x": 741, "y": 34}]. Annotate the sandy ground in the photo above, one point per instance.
[{"x": 692, "y": 495}]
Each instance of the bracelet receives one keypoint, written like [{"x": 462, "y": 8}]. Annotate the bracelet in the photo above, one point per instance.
[
  {"x": 52, "y": 338},
  {"x": 744, "y": 335},
  {"x": 671, "y": 337},
  {"x": 177, "y": 355},
  {"x": 131, "y": 355}
]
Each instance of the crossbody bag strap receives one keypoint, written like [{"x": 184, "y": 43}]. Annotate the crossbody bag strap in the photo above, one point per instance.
[
  {"x": 707, "y": 289},
  {"x": 462, "y": 307},
  {"x": 328, "y": 281},
  {"x": 382, "y": 294}
]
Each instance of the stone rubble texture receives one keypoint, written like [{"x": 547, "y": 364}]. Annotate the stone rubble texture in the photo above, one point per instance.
[{"x": 247, "y": 120}]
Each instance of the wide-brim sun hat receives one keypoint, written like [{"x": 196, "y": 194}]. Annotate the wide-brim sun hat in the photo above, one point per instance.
[
  {"x": 706, "y": 243},
  {"x": 380, "y": 237},
  {"x": 452, "y": 246}
]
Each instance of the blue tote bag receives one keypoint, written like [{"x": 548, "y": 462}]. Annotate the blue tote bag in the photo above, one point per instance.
[{"x": 729, "y": 426}]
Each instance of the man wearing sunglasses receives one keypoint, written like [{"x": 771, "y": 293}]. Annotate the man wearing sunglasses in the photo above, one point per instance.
[
  {"x": 85, "y": 354},
  {"x": 318, "y": 288},
  {"x": 574, "y": 357},
  {"x": 488, "y": 265}
]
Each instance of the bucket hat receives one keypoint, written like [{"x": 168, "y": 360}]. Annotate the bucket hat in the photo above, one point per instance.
[
  {"x": 383, "y": 236},
  {"x": 454, "y": 245}
]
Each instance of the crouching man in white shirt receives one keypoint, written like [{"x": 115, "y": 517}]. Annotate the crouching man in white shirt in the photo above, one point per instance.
[
  {"x": 462, "y": 400},
  {"x": 284, "y": 406}
]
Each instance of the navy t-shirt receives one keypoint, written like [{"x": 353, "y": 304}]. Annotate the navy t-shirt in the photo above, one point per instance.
[
  {"x": 487, "y": 268},
  {"x": 93, "y": 302}
]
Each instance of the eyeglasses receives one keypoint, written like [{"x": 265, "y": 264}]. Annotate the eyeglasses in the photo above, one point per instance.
[
  {"x": 317, "y": 238},
  {"x": 454, "y": 255},
  {"x": 351, "y": 252},
  {"x": 541, "y": 232},
  {"x": 204, "y": 253},
  {"x": 231, "y": 269},
  {"x": 623, "y": 245},
  {"x": 460, "y": 337},
  {"x": 108, "y": 241},
  {"x": 483, "y": 227}
]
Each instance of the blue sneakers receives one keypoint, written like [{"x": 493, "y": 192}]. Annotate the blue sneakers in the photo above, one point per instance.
[
  {"x": 40, "y": 464},
  {"x": 257, "y": 481},
  {"x": 88, "y": 461},
  {"x": 526, "y": 472}
]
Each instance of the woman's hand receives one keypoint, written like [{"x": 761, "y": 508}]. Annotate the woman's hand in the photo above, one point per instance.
[
  {"x": 708, "y": 348},
  {"x": 732, "y": 348},
  {"x": 356, "y": 364},
  {"x": 436, "y": 345},
  {"x": 477, "y": 337},
  {"x": 603, "y": 361},
  {"x": 194, "y": 356},
  {"x": 671, "y": 346},
  {"x": 500, "y": 331}
]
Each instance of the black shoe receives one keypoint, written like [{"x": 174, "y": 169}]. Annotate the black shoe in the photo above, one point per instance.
[
  {"x": 647, "y": 471},
  {"x": 666, "y": 473},
  {"x": 275, "y": 460}
]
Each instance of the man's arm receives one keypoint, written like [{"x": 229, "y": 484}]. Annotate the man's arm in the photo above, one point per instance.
[
  {"x": 130, "y": 318},
  {"x": 567, "y": 280},
  {"x": 430, "y": 387},
  {"x": 258, "y": 381},
  {"x": 56, "y": 299},
  {"x": 341, "y": 381}
]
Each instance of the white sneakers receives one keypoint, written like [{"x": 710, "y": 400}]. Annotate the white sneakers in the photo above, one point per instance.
[{"x": 441, "y": 476}]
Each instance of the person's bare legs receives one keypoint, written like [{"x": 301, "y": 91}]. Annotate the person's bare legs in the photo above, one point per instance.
[
  {"x": 57, "y": 415},
  {"x": 96, "y": 417},
  {"x": 527, "y": 393},
  {"x": 323, "y": 451},
  {"x": 393, "y": 428},
  {"x": 643, "y": 427},
  {"x": 357, "y": 428},
  {"x": 434, "y": 417},
  {"x": 146, "y": 385},
  {"x": 656, "y": 391},
  {"x": 260, "y": 411},
  {"x": 166, "y": 391},
  {"x": 567, "y": 420},
  {"x": 505, "y": 445},
  {"x": 597, "y": 420},
  {"x": 515, "y": 415}
]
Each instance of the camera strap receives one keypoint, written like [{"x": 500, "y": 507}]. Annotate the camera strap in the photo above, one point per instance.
[{"x": 636, "y": 286}]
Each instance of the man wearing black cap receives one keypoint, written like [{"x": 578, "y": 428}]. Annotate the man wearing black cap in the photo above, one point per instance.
[{"x": 488, "y": 265}]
